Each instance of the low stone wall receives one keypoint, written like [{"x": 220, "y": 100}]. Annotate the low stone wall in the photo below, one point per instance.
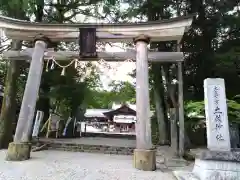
[
  {"x": 110, "y": 135},
  {"x": 91, "y": 148}
]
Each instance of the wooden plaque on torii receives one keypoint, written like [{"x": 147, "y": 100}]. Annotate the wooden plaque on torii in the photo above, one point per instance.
[{"x": 87, "y": 42}]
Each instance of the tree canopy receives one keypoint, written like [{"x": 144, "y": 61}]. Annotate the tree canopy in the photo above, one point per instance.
[{"x": 211, "y": 49}]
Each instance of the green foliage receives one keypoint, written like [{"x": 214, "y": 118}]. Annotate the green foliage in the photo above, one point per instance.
[
  {"x": 212, "y": 35},
  {"x": 195, "y": 108},
  {"x": 120, "y": 92},
  {"x": 123, "y": 91},
  {"x": 15, "y": 8},
  {"x": 196, "y": 111},
  {"x": 67, "y": 92},
  {"x": 212, "y": 44},
  {"x": 3, "y": 70},
  {"x": 237, "y": 98},
  {"x": 233, "y": 111}
]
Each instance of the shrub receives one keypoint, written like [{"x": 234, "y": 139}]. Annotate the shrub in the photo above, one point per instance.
[{"x": 195, "y": 113}]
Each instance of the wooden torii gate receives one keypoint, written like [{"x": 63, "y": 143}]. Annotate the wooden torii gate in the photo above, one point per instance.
[{"x": 139, "y": 33}]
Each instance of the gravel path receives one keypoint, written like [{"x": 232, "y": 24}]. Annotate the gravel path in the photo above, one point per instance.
[{"x": 60, "y": 165}]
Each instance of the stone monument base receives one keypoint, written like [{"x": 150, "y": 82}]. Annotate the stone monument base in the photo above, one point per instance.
[
  {"x": 213, "y": 165},
  {"x": 145, "y": 159},
  {"x": 216, "y": 170},
  {"x": 18, "y": 151}
]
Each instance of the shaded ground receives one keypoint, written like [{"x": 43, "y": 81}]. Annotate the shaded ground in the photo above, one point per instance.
[{"x": 59, "y": 165}]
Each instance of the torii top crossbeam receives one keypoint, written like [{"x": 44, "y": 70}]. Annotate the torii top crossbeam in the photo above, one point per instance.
[{"x": 165, "y": 30}]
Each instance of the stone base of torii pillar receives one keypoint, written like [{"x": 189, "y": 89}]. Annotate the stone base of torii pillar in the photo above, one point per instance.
[
  {"x": 144, "y": 159},
  {"x": 219, "y": 162},
  {"x": 18, "y": 151}
]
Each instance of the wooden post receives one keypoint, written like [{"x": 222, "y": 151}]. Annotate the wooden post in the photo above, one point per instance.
[
  {"x": 20, "y": 148},
  {"x": 173, "y": 120},
  {"x": 144, "y": 156},
  {"x": 181, "y": 110},
  {"x": 49, "y": 126}
]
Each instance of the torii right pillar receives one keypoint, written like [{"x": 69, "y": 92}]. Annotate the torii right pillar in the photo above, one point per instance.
[{"x": 144, "y": 154}]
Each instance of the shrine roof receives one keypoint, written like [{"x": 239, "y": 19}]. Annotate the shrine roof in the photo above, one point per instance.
[
  {"x": 123, "y": 109},
  {"x": 103, "y": 113},
  {"x": 162, "y": 30},
  {"x": 117, "y": 106},
  {"x": 96, "y": 113}
]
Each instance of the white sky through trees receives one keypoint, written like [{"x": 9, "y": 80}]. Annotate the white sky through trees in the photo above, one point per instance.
[{"x": 119, "y": 71}]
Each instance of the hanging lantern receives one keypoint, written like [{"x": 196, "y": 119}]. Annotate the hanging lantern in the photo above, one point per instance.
[
  {"x": 76, "y": 63},
  {"x": 52, "y": 65},
  {"x": 63, "y": 71},
  {"x": 47, "y": 66}
]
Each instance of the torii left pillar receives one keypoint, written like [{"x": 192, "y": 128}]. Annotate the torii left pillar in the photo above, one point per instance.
[
  {"x": 20, "y": 148},
  {"x": 144, "y": 154}
]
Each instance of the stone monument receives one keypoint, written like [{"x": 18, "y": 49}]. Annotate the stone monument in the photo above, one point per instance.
[
  {"x": 218, "y": 137},
  {"x": 219, "y": 162}
]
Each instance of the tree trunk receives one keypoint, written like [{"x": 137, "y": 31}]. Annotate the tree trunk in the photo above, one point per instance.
[
  {"x": 174, "y": 130},
  {"x": 8, "y": 111},
  {"x": 160, "y": 117},
  {"x": 159, "y": 103},
  {"x": 167, "y": 100}
]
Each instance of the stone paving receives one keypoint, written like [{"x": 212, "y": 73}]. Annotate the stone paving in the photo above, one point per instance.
[{"x": 60, "y": 165}]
